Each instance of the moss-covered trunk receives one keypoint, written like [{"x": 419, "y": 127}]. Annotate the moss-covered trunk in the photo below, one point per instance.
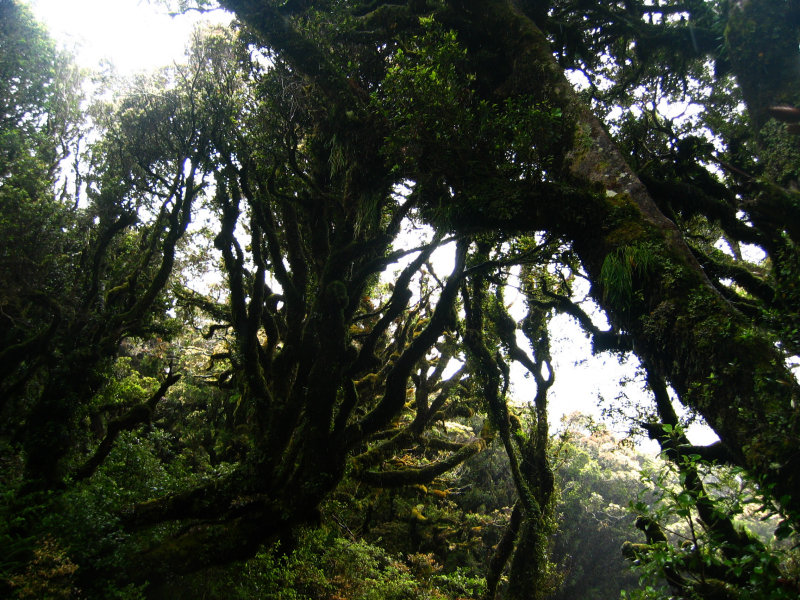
[{"x": 643, "y": 273}]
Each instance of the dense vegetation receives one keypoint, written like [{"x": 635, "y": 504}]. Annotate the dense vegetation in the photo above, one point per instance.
[{"x": 256, "y": 309}]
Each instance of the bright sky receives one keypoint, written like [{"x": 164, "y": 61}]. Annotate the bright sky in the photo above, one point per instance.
[{"x": 135, "y": 35}]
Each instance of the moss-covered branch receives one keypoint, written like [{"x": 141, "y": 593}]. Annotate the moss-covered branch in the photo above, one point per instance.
[
  {"x": 394, "y": 395},
  {"x": 425, "y": 474},
  {"x": 133, "y": 417}
]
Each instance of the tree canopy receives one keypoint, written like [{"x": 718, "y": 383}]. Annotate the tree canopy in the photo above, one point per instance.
[{"x": 335, "y": 150}]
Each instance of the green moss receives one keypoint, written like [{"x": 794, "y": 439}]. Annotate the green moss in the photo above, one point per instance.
[
  {"x": 627, "y": 233},
  {"x": 624, "y": 224}
]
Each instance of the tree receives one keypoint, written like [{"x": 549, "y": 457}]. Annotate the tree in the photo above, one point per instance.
[
  {"x": 467, "y": 104},
  {"x": 526, "y": 541},
  {"x": 80, "y": 276},
  {"x": 323, "y": 360},
  {"x": 100, "y": 280},
  {"x": 39, "y": 121},
  {"x": 346, "y": 122},
  {"x": 718, "y": 557},
  {"x": 644, "y": 273}
]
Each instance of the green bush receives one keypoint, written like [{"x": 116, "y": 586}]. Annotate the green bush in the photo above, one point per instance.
[{"x": 325, "y": 566}]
